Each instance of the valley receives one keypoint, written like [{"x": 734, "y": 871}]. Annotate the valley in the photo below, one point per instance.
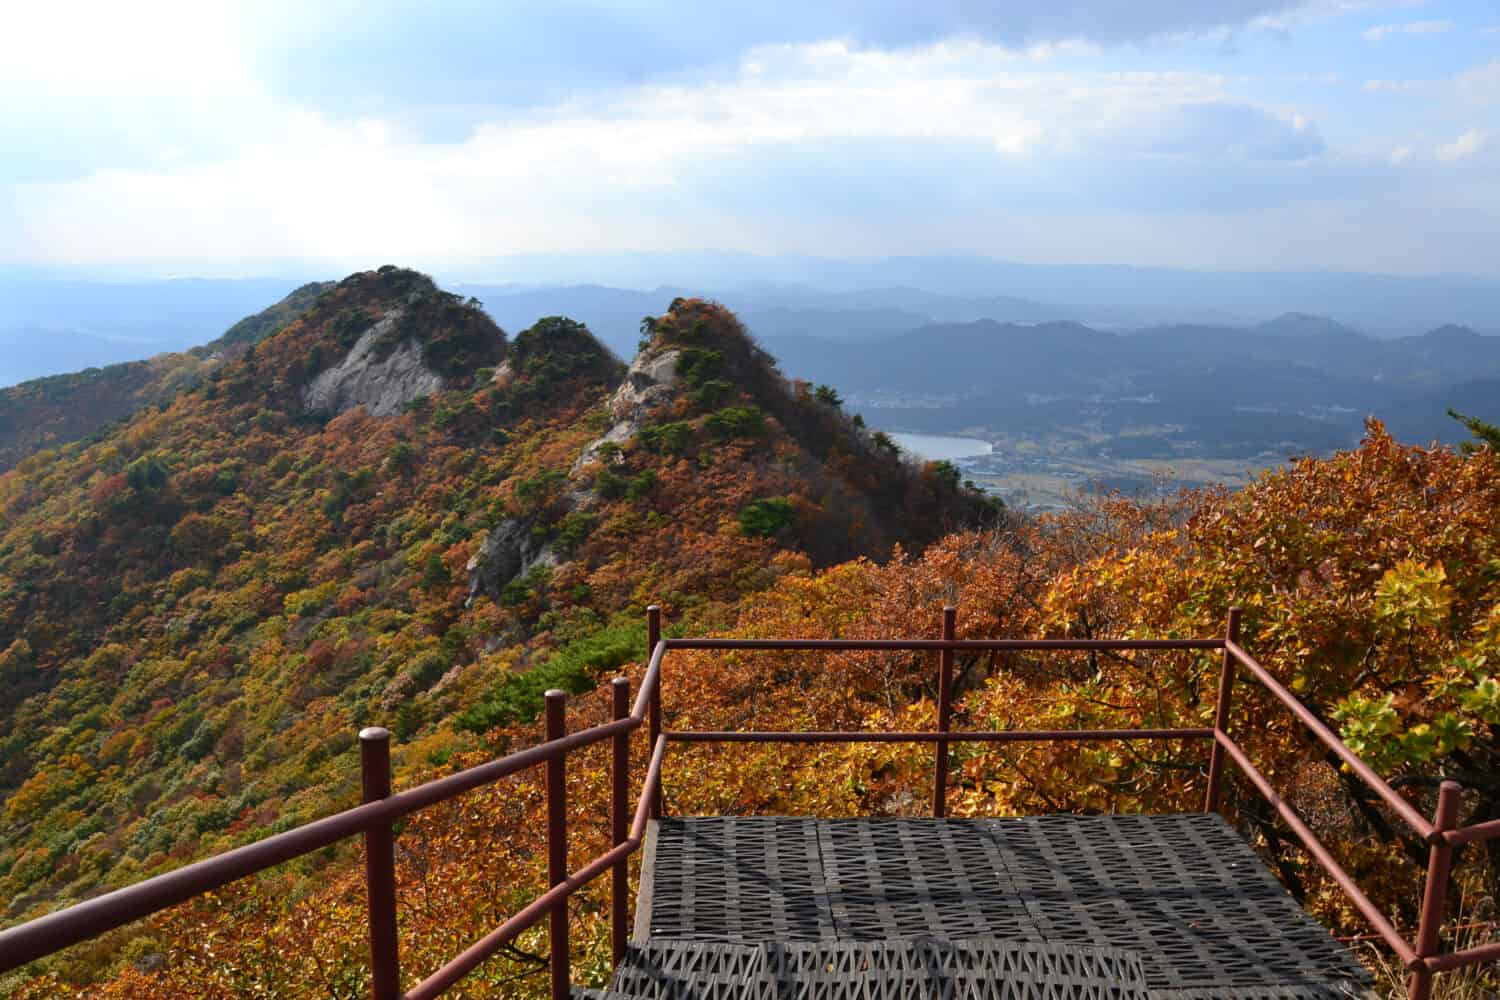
[{"x": 1052, "y": 474}]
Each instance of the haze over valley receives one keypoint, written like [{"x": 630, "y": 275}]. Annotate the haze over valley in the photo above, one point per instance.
[{"x": 1054, "y": 398}]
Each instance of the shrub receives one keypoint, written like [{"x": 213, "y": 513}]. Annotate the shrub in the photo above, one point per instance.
[
  {"x": 575, "y": 527},
  {"x": 945, "y": 472},
  {"x": 641, "y": 485},
  {"x": 575, "y": 668},
  {"x": 305, "y": 602},
  {"x": 609, "y": 485},
  {"x": 736, "y": 421},
  {"x": 523, "y": 588},
  {"x": 713, "y": 392},
  {"x": 696, "y": 365},
  {"x": 349, "y": 324},
  {"x": 767, "y": 518},
  {"x": 667, "y": 439},
  {"x": 145, "y": 474},
  {"x": 530, "y": 492}
]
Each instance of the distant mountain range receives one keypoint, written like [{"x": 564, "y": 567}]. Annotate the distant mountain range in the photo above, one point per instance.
[
  {"x": 49, "y": 327},
  {"x": 51, "y": 324},
  {"x": 1381, "y": 304},
  {"x": 1295, "y": 383},
  {"x": 1185, "y": 379},
  {"x": 53, "y": 410}
]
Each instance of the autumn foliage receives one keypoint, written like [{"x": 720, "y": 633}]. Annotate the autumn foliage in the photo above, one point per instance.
[
  {"x": 199, "y": 610},
  {"x": 1369, "y": 583}
]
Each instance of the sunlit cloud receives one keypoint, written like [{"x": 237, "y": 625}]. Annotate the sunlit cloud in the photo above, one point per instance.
[
  {"x": 218, "y": 130},
  {"x": 1382, "y": 31},
  {"x": 593, "y": 167},
  {"x": 1463, "y": 147}
]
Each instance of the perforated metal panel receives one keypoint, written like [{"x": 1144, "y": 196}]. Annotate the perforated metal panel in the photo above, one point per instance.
[
  {"x": 1184, "y": 893},
  {"x": 927, "y": 969},
  {"x": 736, "y": 879}
]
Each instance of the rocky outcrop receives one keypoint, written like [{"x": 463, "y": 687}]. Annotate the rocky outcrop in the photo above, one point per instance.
[
  {"x": 651, "y": 381},
  {"x": 382, "y": 385},
  {"x": 513, "y": 549},
  {"x": 510, "y": 550}
]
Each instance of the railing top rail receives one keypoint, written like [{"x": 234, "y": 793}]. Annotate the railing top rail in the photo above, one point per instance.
[
  {"x": 1468, "y": 834},
  {"x": 1398, "y": 804},
  {"x": 1314, "y": 846},
  {"x": 90, "y": 918},
  {"x": 912, "y": 645},
  {"x": 649, "y": 683},
  {"x": 946, "y": 736}
]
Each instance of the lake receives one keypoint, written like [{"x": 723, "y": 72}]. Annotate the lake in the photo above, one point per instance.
[{"x": 935, "y": 447}]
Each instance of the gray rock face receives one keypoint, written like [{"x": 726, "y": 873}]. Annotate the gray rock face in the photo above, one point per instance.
[
  {"x": 382, "y": 386},
  {"x": 651, "y": 381},
  {"x": 510, "y": 550}
]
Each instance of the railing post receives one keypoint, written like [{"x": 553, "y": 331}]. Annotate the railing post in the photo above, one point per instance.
[
  {"x": 945, "y": 714},
  {"x": 1434, "y": 895},
  {"x": 619, "y": 778},
  {"x": 1221, "y": 716},
  {"x": 380, "y": 867},
  {"x": 557, "y": 843},
  {"x": 653, "y": 636}
]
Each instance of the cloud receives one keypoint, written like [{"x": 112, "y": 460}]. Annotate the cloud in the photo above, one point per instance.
[
  {"x": 1231, "y": 131},
  {"x": 1382, "y": 31},
  {"x": 1396, "y": 86},
  {"x": 343, "y": 129},
  {"x": 1481, "y": 84},
  {"x": 1283, "y": 23},
  {"x": 141, "y": 85},
  {"x": 371, "y": 54},
  {"x": 91, "y": 84},
  {"x": 1477, "y": 86},
  {"x": 1463, "y": 147},
  {"x": 809, "y": 131}
]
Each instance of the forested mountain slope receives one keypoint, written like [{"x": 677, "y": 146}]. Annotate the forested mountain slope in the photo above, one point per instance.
[
  {"x": 1370, "y": 583},
  {"x": 388, "y": 511},
  {"x": 52, "y": 411}
]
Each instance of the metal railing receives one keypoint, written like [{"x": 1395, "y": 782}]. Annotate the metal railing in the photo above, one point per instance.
[{"x": 373, "y": 819}]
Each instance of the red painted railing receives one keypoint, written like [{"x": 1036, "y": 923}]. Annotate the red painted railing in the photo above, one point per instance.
[{"x": 373, "y": 819}]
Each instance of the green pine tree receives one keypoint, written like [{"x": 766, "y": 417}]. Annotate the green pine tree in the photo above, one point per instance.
[{"x": 1485, "y": 433}]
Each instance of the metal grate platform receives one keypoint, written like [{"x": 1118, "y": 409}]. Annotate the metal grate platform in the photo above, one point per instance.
[
  {"x": 856, "y": 970},
  {"x": 1183, "y": 893}
]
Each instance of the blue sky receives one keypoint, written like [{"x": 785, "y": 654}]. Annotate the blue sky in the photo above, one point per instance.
[{"x": 1246, "y": 134}]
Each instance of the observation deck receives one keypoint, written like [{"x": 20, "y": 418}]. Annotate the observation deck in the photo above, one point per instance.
[
  {"x": 1141, "y": 906},
  {"x": 1175, "y": 907}
]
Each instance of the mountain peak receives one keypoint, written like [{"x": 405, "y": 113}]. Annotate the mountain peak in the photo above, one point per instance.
[
  {"x": 699, "y": 324},
  {"x": 1452, "y": 332},
  {"x": 378, "y": 339},
  {"x": 1296, "y": 324}
]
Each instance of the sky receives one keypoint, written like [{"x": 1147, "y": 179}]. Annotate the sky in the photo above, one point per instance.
[{"x": 1358, "y": 135}]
